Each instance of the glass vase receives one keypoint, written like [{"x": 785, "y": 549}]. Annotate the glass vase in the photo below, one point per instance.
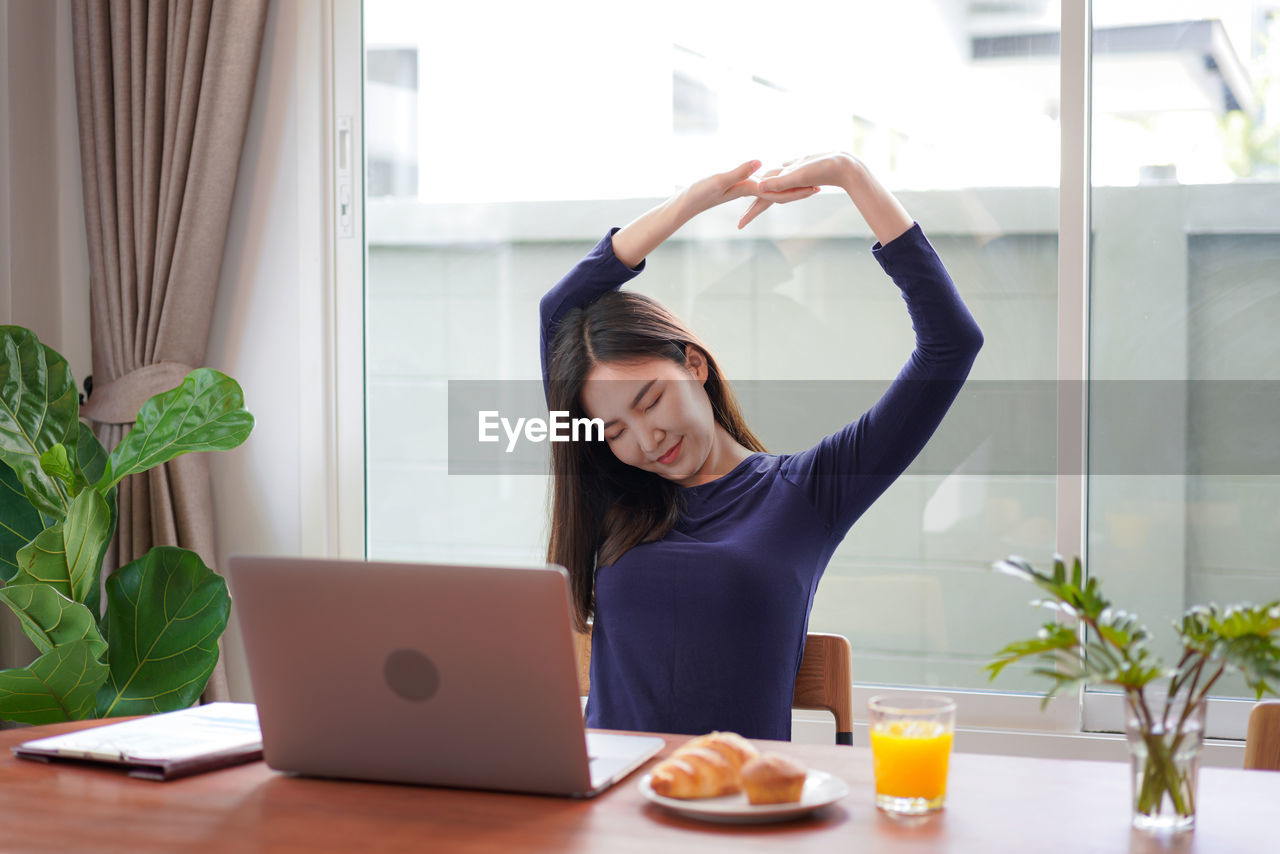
[{"x": 1164, "y": 755}]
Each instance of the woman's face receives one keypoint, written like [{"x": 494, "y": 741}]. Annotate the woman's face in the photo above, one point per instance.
[{"x": 656, "y": 414}]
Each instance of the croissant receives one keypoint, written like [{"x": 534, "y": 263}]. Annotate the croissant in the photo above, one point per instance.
[
  {"x": 694, "y": 772},
  {"x": 730, "y": 745}
]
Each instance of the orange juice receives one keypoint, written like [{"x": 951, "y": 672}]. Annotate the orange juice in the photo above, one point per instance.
[{"x": 910, "y": 758}]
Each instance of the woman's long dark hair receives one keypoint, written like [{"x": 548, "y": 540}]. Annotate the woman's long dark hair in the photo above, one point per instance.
[{"x": 600, "y": 506}]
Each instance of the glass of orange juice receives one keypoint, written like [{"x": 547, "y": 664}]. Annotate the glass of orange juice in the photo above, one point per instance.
[{"x": 911, "y": 738}]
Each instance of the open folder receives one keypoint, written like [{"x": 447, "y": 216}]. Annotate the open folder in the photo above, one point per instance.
[{"x": 162, "y": 747}]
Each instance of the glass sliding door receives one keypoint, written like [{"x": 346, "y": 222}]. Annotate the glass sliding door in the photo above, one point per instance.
[
  {"x": 501, "y": 149},
  {"x": 1184, "y": 359}
]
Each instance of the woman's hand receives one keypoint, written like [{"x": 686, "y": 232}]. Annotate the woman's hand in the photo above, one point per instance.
[
  {"x": 885, "y": 215},
  {"x": 789, "y": 183},
  {"x": 799, "y": 179},
  {"x": 645, "y": 233},
  {"x": 717, "y": 189}
]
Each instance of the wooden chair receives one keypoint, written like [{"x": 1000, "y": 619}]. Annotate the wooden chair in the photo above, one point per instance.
[
  {"x": 1262, "y": 741},
  {"x": 825, "y": 680}
]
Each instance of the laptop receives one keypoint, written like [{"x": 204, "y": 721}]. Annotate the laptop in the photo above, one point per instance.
[{"x": 433, "y": 674}]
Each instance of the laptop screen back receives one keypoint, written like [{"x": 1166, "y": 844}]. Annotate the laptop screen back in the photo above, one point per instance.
[{"x": 438, "y": 674}]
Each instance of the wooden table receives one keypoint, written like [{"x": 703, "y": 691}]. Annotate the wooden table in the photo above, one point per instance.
[{"x": 995, "y": 804}]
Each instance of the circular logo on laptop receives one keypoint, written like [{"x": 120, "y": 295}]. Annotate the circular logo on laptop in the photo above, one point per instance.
[{"x": 411, "y": 675}]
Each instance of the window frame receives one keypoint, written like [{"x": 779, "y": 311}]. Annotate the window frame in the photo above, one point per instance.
[
  {"x": 334, "y": 519},
  {"x": 333, "y": 515}
]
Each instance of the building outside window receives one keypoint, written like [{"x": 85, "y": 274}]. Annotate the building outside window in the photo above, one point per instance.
[{"x": 494, "y": 161}]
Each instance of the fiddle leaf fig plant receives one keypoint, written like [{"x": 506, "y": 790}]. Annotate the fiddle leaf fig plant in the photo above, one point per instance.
[
  {"x": 21, "y": 521},
  {"x": 145, "y": 599},
  {"x": 40, "y": 409},
  {"x": 156, "y": 645}
]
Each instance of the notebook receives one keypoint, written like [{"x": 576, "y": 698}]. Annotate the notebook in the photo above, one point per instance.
[
  {"x": 433, "y": 674},
  {"x": 161, "y": 747}
]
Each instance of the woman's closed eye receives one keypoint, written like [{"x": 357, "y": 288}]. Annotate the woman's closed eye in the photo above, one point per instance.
[{"x": 624, "y": 429}]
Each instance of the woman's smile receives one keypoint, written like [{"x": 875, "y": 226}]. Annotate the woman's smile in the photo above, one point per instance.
[{"x": 670, "y": 456}]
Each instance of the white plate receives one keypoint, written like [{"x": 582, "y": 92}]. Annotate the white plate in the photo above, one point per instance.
[{"x": 820, "y": 789}]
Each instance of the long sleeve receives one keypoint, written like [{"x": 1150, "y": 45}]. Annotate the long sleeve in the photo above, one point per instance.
[
  {"x": 846, "y": 471},
  {"x": 597, "y": 273}
]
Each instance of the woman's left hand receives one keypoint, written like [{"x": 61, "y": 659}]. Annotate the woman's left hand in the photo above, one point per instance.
[{"x": 779, "y": 186}]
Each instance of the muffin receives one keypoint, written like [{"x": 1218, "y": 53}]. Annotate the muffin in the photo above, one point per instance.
[{"x": 773, "y": 779}]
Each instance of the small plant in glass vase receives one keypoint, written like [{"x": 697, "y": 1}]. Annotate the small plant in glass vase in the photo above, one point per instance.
[{"x": 1088, "y": 642}]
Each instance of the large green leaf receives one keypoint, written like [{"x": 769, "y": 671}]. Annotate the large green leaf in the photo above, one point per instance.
[
  {"x": 51, "y": 619},
  {"x": 56, "y": 463},
  {"x": 205, "y": 413},
  {"x": 91, "y": 457},
  {"x": 90, "y": 460},
  {"x": 165, "y": 613},
  {"x": 20, "y": 522},
  {"x": 39, "y": 408},
  {"x": 61, "y": 685},
  {"x": 44, "y": 561},
  {"x": 68, "y": 556},
  {"x": 93, "y": 589}
]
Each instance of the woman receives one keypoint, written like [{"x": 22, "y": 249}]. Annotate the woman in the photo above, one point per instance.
[{"x": 698, "y": 552}]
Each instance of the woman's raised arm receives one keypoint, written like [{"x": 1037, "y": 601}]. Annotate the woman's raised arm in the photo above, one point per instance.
[{"x": 615, "y": 259}]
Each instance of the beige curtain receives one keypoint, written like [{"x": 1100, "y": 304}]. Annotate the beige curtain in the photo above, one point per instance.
[{"x": 163, "y": 91}]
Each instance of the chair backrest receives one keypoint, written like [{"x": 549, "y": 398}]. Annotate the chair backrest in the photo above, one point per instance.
[
  {"x": 825, "y": 680},
  {"x": 1262, "y": 741}
]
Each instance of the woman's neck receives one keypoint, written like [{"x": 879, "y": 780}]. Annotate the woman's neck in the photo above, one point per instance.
[{"x": 726, "y": 455}]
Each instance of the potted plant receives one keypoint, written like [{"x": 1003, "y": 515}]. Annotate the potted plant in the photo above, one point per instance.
[
  {"x": 1091, "y": 643},
  {"x": 155, "y": 645}
]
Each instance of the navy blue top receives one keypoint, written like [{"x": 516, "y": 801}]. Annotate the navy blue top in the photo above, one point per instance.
[{"x": 705, "y": 628}]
